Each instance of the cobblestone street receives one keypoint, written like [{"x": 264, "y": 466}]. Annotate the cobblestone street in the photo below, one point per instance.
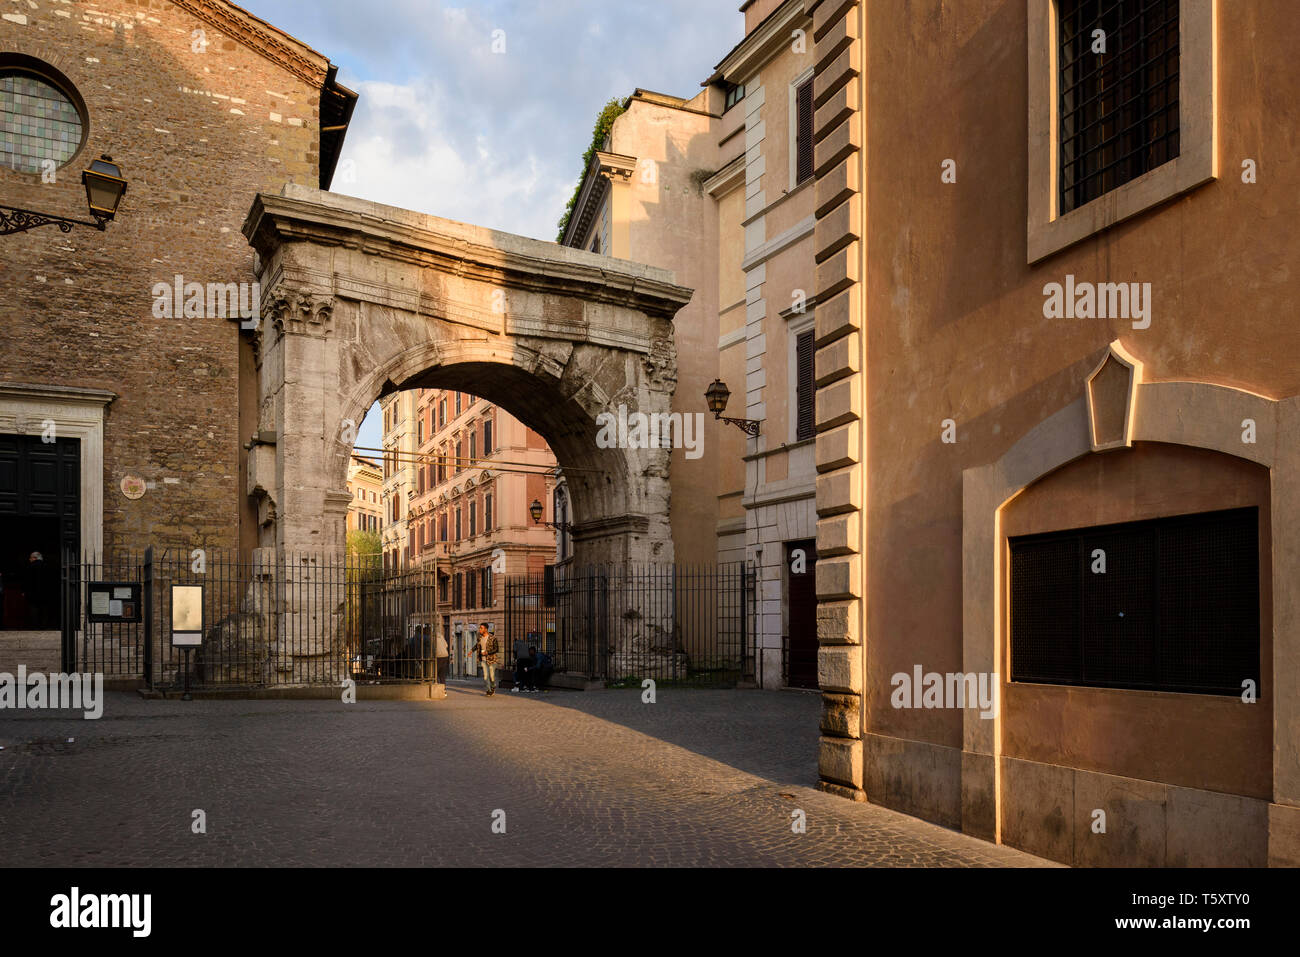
[{"x": 590, "y": 779}]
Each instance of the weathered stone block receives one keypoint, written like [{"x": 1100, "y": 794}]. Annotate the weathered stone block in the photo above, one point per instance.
[
  {"x": 839, "y": 760},
  {"x": 839, "y": 668},
  {"x": 841, "y": 715}
]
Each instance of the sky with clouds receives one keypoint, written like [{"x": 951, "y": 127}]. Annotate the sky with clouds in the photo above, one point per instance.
[{"x": 446, "y": 126}]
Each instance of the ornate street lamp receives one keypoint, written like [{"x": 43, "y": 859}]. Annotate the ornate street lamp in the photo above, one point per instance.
[
  {"x": 716, "y": 395},
  {"x": 104, "y": 190},
  {"x": 535, "y": 510}
]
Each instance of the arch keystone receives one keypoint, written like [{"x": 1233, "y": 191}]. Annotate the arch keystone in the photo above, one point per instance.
[{"x": 1112, "y": 389}]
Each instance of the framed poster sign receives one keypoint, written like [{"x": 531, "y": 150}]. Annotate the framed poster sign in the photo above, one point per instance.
[
  {"x": 113, "y": 602},
  {"x": 187, "y": 616}
]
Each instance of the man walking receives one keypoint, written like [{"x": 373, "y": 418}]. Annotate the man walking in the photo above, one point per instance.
[{"x": 486, "y": 649}]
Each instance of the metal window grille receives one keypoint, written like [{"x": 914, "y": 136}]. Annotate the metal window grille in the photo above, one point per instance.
[
  {"x": 1118, "y": 108},
  {"x": 1176, "y": 608}
]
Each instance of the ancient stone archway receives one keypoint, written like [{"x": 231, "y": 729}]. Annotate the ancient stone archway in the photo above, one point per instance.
[{"x": 359, "y": 299}]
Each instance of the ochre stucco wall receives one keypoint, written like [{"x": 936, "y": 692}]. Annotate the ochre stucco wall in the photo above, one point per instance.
[{"x": 955, "y": 323}]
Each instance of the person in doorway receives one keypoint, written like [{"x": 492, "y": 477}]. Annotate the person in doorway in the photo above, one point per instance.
[
  {"x": 35, "y": 588},
  {"x": 487, "y": 650}
]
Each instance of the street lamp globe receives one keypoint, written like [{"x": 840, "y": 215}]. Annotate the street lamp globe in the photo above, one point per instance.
[
  {"x": 717, "y": 395},
  {"x": 104, "y": 188}
]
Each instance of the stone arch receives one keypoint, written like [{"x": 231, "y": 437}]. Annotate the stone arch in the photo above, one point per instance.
[
  {"x": 1197, "y": 414},
  {"x": 361, "y": 300}
]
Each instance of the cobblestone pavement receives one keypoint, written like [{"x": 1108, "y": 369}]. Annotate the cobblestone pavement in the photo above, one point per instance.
[{"x": 594, "y": 778}]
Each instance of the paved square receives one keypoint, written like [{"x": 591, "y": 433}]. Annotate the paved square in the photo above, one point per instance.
[{"x": 584, "y": 778}]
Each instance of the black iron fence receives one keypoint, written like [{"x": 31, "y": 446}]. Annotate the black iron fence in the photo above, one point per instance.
[
  {"x": 275, "y": 618},
  {"x": 281, "y": 619},
  {"x": 680, "y": 624}
]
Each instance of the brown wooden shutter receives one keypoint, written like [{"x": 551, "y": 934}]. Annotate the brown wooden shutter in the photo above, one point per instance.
[
  {"x": 805, "y": 387},
  {"x": 803, "y": 132}
]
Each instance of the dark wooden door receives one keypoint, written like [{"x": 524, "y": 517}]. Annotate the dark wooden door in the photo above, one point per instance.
[
  {"x": 40, "y": 511},
  {"x": 800, "y": 563}
]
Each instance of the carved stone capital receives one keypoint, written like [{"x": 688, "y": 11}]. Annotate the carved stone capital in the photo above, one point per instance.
[{"x": 293, "y": 311}]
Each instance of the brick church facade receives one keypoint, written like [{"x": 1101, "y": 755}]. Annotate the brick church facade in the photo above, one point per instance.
[{"x": 202, "y": 105}]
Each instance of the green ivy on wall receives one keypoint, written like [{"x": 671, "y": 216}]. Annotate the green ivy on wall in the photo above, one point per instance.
[{"x": 611, "y": 111}]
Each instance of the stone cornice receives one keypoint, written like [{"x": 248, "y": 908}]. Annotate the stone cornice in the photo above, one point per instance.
[
  {"x": 277, "y": 46},
  {"x": 300, "y": 213},
  {"x": 601, "y": 172},
  {"x": 727, "y": 178},
  {"x": 759, "y": 47},
  {"x": 56, "y": 393}
]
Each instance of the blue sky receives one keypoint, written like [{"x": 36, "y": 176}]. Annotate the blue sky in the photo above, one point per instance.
[{"x": 445, "y": 126}]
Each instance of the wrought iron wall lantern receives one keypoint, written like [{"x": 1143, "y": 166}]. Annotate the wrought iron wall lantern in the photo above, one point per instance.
[
  {"x": 104, "y": 190},
  {"x": 717, "y": 395},
  {"x": 535, "y": 510}
]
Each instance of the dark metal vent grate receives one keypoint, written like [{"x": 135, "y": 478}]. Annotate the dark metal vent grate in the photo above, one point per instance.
[{"x": 1176, "y": 609}]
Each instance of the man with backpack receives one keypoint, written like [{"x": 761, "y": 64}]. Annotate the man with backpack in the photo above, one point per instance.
[{"x": 487, "y": 650}]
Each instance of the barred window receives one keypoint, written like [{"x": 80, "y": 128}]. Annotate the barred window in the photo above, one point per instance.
[
  {"x": 1168, "y": 604},
  {"x": 1118, "y": 89}
]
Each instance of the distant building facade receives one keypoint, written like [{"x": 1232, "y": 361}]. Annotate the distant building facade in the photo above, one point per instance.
[
  {"x": 400, "y": 466},
  {"x": 472, "y": 472},
  {"x": 366, "y": 487}
]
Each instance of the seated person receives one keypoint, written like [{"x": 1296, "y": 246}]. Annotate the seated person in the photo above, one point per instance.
[
  {"x": 541, "y": 671},
  {"x": 523, "y": 667}
]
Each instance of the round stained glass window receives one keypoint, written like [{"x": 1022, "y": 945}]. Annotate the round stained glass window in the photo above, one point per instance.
[{"x": 40, "y": 127}]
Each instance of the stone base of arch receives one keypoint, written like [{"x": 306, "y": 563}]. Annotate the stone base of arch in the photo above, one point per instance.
[{"x": 1194, "y": 414}]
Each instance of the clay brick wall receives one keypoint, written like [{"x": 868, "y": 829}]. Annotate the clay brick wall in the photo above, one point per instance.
[{"x": 198, "y": 128}]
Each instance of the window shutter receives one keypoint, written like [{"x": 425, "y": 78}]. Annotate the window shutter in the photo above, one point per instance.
[
  {"x": 803, "y": 132},
  {"x": 805, "y": 387}
]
